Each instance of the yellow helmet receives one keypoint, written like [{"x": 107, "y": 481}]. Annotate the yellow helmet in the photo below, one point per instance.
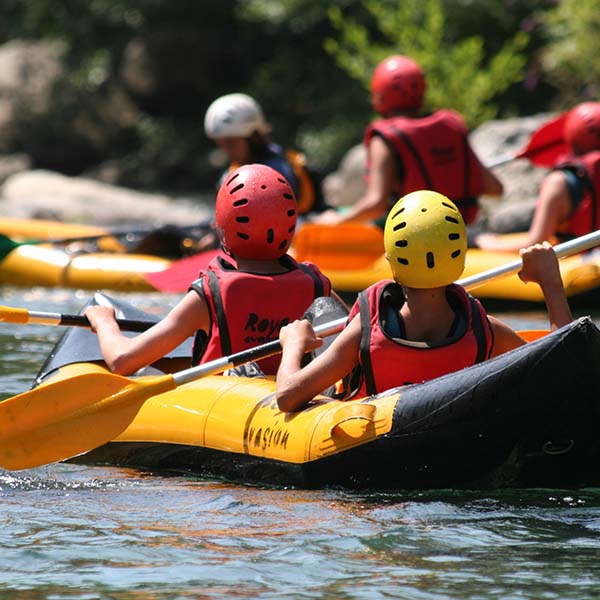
[{"x": 425, "y": 240}]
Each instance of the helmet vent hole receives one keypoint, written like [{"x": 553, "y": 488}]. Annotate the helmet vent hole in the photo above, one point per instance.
[
  {"x": 235, "y": 176},
  {"x": 452, "y": 220},
  {"x": 291, "y": 229},
  {"x": 241, "y": 202},
  {"x": 242, "y": 219},
  {"x": 237, "y": 188},
  {"x": 401, "y": 244},
  {"x": 455, "y": 254},
  {"x": 291, "y": 212},
  {"x": 289, "y": 197},
  {"x": 423, "y": 209},
  {"x": 263, "y": 187},
  {"x": 448, "y": 205},
  {"x": 400, "y": 226},
  {"x": 398, "y": 212},
  {"x": 283, "y": 245},
  {"x": 241, "y": 235},
  {"x": 454, "y": 236},
  {"x": 430, "y": 260},
  {"x": 270, "y": 236},
  {"x": 403, "y": 261}
]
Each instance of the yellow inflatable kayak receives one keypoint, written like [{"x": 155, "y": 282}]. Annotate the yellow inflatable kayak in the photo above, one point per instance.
[
  {"x": 353, "y": 268},
  {"x": 41, "y": 265},
  {"x": 527, "y": 418},
  {"x": 44, "y": 229}
]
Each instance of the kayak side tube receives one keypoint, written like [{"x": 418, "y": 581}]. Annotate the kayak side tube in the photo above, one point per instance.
[{"x": 528, "y": 417}]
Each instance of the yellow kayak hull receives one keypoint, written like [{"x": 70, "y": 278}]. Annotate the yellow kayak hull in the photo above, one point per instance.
[
  {"x": 44, "y": 229},
  {"x": 528, "y": 417},
  {"x": 46, "y": 266},
  {"x": 351, "y": 256}
]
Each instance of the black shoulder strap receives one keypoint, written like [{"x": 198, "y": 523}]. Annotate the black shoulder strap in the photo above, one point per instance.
[
  {"x": 365, "y": 342},
  {"x": 201, "y": 337},
  {"x": 318, "y": 283},
  {"x": 478, "y": 330},
  {"x": 215, "y": 292}
]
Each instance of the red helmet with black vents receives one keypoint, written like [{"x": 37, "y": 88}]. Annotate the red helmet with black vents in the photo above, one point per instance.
[
  {"x": 582, "y": 127},
  {"x": 398, "y": 83},
  {"x": 256, "y": 213}
]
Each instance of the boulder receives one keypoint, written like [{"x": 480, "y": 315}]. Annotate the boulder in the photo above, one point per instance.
[{"x": 49, "y": 195}]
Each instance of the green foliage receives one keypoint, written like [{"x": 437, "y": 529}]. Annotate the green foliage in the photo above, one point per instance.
[
  {"x": 459, "y": 73},
  {"x": 307, "y": 62},
  {"x": 570, "y": 57}
]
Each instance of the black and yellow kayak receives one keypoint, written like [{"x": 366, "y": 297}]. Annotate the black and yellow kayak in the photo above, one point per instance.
[{"x": 527, "y": 418}]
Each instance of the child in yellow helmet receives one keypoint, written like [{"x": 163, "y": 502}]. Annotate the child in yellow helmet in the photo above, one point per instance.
[{"x": 420, "y": 325}]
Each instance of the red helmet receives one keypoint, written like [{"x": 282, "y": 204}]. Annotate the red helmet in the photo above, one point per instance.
[
  {"x": 397, "y": 83},
  {"x": 256, "y": 213},
  {"x": 582, "y": 127}
]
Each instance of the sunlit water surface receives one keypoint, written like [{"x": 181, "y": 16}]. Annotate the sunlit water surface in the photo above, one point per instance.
[{"x": 70, "y": 531}]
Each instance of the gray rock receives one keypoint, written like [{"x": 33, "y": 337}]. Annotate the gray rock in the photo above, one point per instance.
[{"x": 35, "y": 194}]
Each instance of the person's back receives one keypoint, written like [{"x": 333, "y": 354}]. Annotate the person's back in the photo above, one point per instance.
[
  {"x": 234, "y": 305},
  {"x": 408, "y": 151},
  {"x": 262, "y": 289},
  {"x": 432, "y": 152}
]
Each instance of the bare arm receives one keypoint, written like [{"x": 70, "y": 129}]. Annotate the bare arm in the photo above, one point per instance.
[
  {"x": 126, "y": 355},
  {"x": 540, "y": 265},
  {"x": 491, "y": 185},
  {"x": 552, "y": 208},
  {"x": 382, "y": 180},
  {"x": 296, "y": 386}
]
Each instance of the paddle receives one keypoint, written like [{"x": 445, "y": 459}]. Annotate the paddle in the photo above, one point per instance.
[
  {"x": 580, "y": 244},
  {"x": 545, "y": 146},
  {"x": 22, "y": 316},
  {"x": 65, "y": 418}
]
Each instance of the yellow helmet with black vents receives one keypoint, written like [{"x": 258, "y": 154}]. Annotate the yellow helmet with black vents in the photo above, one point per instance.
[{"x": 425, "y": 240}]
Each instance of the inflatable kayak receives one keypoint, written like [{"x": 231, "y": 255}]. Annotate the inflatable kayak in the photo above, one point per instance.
[
  {"x": 86, "y": 257},
  {"x": 526, "y": 418},
  {"x": 49, "y": 266},
  {"x": 351, "y": 256},
  {"x": 354, "y": 271},
  {"x": 44, "y": 229}
]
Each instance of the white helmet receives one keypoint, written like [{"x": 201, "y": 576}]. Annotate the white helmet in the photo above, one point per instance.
[{"x": 234, "y": 115}]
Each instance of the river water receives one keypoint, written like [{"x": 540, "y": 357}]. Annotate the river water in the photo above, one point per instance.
[{"x": 76, "y": 532}]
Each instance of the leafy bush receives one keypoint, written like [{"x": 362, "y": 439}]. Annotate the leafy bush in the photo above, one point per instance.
[{"x": 459, "y": 73}]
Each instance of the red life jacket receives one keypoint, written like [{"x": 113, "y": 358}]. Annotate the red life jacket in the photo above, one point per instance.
[
  {"x": 249, "y": 309},
  {"x": 433, "y": 153},
  {"x": 586, "y": 216},
  {"x": 390, "y": 362}
]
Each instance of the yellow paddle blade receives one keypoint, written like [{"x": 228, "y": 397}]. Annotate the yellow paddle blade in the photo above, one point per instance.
[
  {"x": 65, "y": 418},
  {"x": 9, "y": 314}
]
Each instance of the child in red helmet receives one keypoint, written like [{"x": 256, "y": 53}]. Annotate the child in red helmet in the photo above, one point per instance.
[
  {"x": 568, "y": 204},
  {"x": 409, "y": 151},
  {"x": 237, "y": 304}
]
